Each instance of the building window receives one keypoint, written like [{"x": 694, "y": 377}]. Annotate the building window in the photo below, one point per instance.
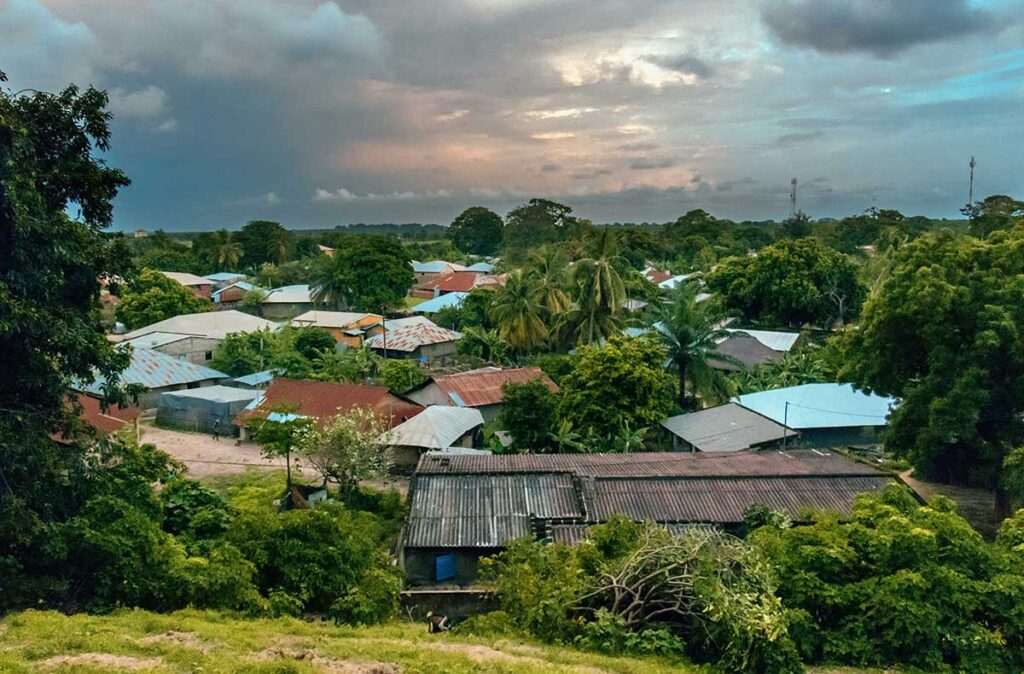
[
  {"x": 209, "y": 355},
  {"x": 444, "y": 567}
]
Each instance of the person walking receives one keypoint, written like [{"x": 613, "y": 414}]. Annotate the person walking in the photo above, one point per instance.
[{"x": 216, "y": 429}]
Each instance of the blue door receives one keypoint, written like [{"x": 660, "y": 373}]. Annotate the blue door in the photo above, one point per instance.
[{"x": 444, "y": 567}]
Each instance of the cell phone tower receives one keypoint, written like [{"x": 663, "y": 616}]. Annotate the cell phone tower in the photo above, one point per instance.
[{"x": 792, "y": 197}]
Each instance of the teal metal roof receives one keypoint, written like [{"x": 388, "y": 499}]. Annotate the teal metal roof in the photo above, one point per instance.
[
  {"x": 224, "y": 276},
  {"x": 256, "y": 378},
  {"x": 440, "y": 302},
  {"x": 154, "y": 370},
  {"x": 819, "y": 406},
  {"x": 244, "y": 285},
  {"x": 485, "y": 267}
]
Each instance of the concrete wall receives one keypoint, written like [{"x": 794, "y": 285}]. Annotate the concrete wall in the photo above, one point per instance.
[
  {"x": 419, "y": 565},
  {"x": 279, "y": 311},
  {"x": 193, "y": 349}
]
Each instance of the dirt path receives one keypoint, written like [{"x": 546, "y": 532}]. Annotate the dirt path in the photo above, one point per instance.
[{"x": 205, "y": 456}]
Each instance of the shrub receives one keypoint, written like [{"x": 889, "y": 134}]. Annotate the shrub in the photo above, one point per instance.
[{"x": 191, "y": 509}]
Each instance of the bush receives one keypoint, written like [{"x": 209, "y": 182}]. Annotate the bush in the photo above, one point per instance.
[{"x": 191, "y": 509}]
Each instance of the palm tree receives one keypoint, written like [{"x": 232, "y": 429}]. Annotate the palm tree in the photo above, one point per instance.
[
  {"x": 517, "y": 314},
  {"x": 600, "y": 293},
  {"x": 689, "y": 332},
  {"x": 329, "y": 288},
  {"x": 546, "y": 266},
  {"x": 225, "y": 252}
]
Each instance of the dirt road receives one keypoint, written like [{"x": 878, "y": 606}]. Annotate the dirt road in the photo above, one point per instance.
[{"x": 205, "y": 456}]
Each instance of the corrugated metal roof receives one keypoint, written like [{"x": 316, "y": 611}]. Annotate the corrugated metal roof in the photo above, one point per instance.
[
  {"x": 187, "y": 279},
  {"x": 155, "y": 339},
  {"x": 293, "y": 294},
  {"x": 332, "y": 319},
  {"x": 777, "y": 341},
  {"x": 485, "y": 267},
  {"x": 213, "y": 324},
  {"x": 723, "y": 501},
  {"x": 225, "y": 276},
  {"x": 242, "y": 285},
  {"x": 154, "y": 370},
  {"x": 323, "y": 400},
  {"x": 409, "y": 336},
  {"x": 806, "y": 462},
  {"x": 484, "y": 386},
  {"x": 436, "y": 427},
  {"x": 435, "y": 267},
  {"x": 820, "y": 406},
  {"x": 220, "y": 394},
  {"x": 726, "y": 428},
  {"x": 745, "y": 349},
  {"x": 256, "y": 378},
  {"x": 440, "y": 302},
  {"x": 488, "y": 511}
]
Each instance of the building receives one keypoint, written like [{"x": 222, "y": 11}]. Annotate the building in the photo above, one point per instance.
[
  {"x": 287, "y": 302},
  {"x": 231, "y": 295},
  {"x": 256, "y": 380},
  {"x": 485, "y": 267},
  {"x": 415, "y": 337},
  {"x": 436, "y": 429},
  {"x": 754, "y": 347},
  {"x": 204, "y": 409},
  {"x": 195, "y": 337},
  {"x": 101, "y": 421},
  {"x": 456, "y": 282},
  {"x": 347, "y": 327},
  {"x": 425, "y": 270},
  {"x": 435, "y": 304},
  {"x": 225, "y": 278},
  {"x": 726, "y": 428},
  {"x": 655, "y": 275},
  {"x": 323, "y": 400},
  {"x": 827, "y": 415},
  {"x": 158, "y": 373},
  {"x": 200, "y": 286},
  {"x": 462, "y": 508},
  {"x": 480, "y": 389}
]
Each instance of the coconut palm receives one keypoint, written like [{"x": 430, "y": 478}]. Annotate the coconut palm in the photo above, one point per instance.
[
  {"x": 224, "y": 251},
  {"x": 599, "y": 294},
  {"x": 329, "y": 288},
  {"x": 546, "y": 267},
  {"x": 690, "y": 334},
  {"x": 517, "y": 314}
]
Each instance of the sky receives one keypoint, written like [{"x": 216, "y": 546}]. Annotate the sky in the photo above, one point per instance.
[{"x": 317, "y": 113}]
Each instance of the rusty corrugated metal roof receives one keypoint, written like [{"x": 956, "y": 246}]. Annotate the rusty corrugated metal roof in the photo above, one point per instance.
[
  {"x": 655, "y": 464},
  {"x": 411, "y": 336},
  {"x": 483, "y": 386},
  {"x": 323, "y": 400},
  {"x": 485, "y": 511}
]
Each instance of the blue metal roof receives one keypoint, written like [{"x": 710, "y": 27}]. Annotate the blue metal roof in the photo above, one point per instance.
[
  {"x": 819, "y": 406},
  {"x": 485, "y": 267},
  {"x": 432, "y": 267},
  {"x": 225, "y": 276},
  {"x": 440, "y": 302},
  {"x": 244, "y": 285},
  {"x": 257, "y": 378},
  {"x": 155, "y": 370}
]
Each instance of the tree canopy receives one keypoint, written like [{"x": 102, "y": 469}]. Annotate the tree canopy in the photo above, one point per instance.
[
  {"x": 264, "y": 241},
  {"x": 535, "y": 223},
  {"x": 366, "y": 273},
  {"x": 153, "y": 297},
  {"x": 477, "y": 230}
]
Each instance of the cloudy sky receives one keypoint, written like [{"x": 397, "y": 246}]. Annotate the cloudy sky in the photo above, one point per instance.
[{"x": 324, "y": 112}]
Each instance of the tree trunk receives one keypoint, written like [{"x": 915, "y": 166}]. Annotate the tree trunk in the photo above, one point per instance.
[
  {"x": 1003, "y": 505},
  {"x": 682, "y": 386}
]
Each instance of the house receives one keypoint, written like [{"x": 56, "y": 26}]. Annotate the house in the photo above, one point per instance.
[
  {"x": 754, "y": 347},
  {"x": 158, "y": 373},
  {"x": 827, "y": 415},
  {"x": 726, "y": 428},
  {"x": 200, "y": 286},
  {"x": 256, "y": 380},
  {"x": 436, "y": 429},
  {"x": 231, "y": 295},
  {"x": 435, "y": 304},
  {"x": 225, "y": 278},
  {"x": 425, "y": 270},
  {"x": 485, "y": 267},
  {"x": 347, "y": 327},
  {"x": 415, "y": 337},
  {"x": 456, "y": 282},
  {"x": 204, "y": 409},
  {"x": 102, "y": 421},
  {"x": 326, "y": 250},
  {"x": 195, "y": 336},
  {"x": 287, "y": 301},
  {"x": 323, "y": 400},
  {"x": 655, "y": 275},
  {"x": 464, "y": 507},
  {"x": 480, "y": 389}
]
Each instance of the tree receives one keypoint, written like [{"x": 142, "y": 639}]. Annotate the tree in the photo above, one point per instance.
[
  {"x": 366, "y": 273},
  {"x": 995, "y": 213},
  {"x": 484, "y": 344},
  {"x": 688, "y": 331},
  {"x": 278, "y": 435},
  {"x": 797, "y": 226},
  {"x": 219, "y": 250},
  {"x": 529, "y": 413},
  {"x": 153, "y": 297},
  {"x": 536, "y": 223},
  {"x": 546, "y": 269},
  {"x": 477, "y": 230},
  {"x": 400, "y": 375},
  {"x": 700, "y": 223},
  {"x": 264, "y": 241},
  {"x": 350, "y": 448},
  {"x": 311, "y": 342},
  {"x": 790, "y": 283},
  {"x": 622, "y": 383},
  {"x": 518, "y": 315},
  {"x": 942, "y": 334},
  {"x": 599, "y": 294}
]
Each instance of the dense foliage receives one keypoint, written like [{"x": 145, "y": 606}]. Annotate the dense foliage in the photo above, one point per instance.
[
  {"x": 477, "y": 230},
  {"x": 365, "y": 273},
  {"x": 153, "y": 297}
]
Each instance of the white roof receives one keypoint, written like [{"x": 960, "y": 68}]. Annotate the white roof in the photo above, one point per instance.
[
  {"x": 329, "y": 319},
  {"x": 777, "y": 341},
  {"x": 436, "y": 427},
  {"x": 186, "y": 279},
  {"x": 671, "y": 283},
  {"x": 156, "y": 339},
  {"x": 296, "y": 294},
  {"x": 213, "y": 324}
]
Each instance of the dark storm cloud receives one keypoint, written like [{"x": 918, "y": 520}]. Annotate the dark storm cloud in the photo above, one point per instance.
[
  {"x": 879, "y": 27},
  {"x": 687, "y": 64},
  {"x": 790, "y": 139}
]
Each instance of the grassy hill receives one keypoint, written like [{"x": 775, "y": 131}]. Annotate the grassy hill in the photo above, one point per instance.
[{"x": 197, "y": 641}]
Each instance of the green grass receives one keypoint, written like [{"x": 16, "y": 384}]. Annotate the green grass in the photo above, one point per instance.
[{"x": 209, "y": 642}]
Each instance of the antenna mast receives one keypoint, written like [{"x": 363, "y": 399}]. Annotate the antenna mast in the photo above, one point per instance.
[
  {"x": 792, "y": 197},
  {"x": 970, "y": 191}
]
